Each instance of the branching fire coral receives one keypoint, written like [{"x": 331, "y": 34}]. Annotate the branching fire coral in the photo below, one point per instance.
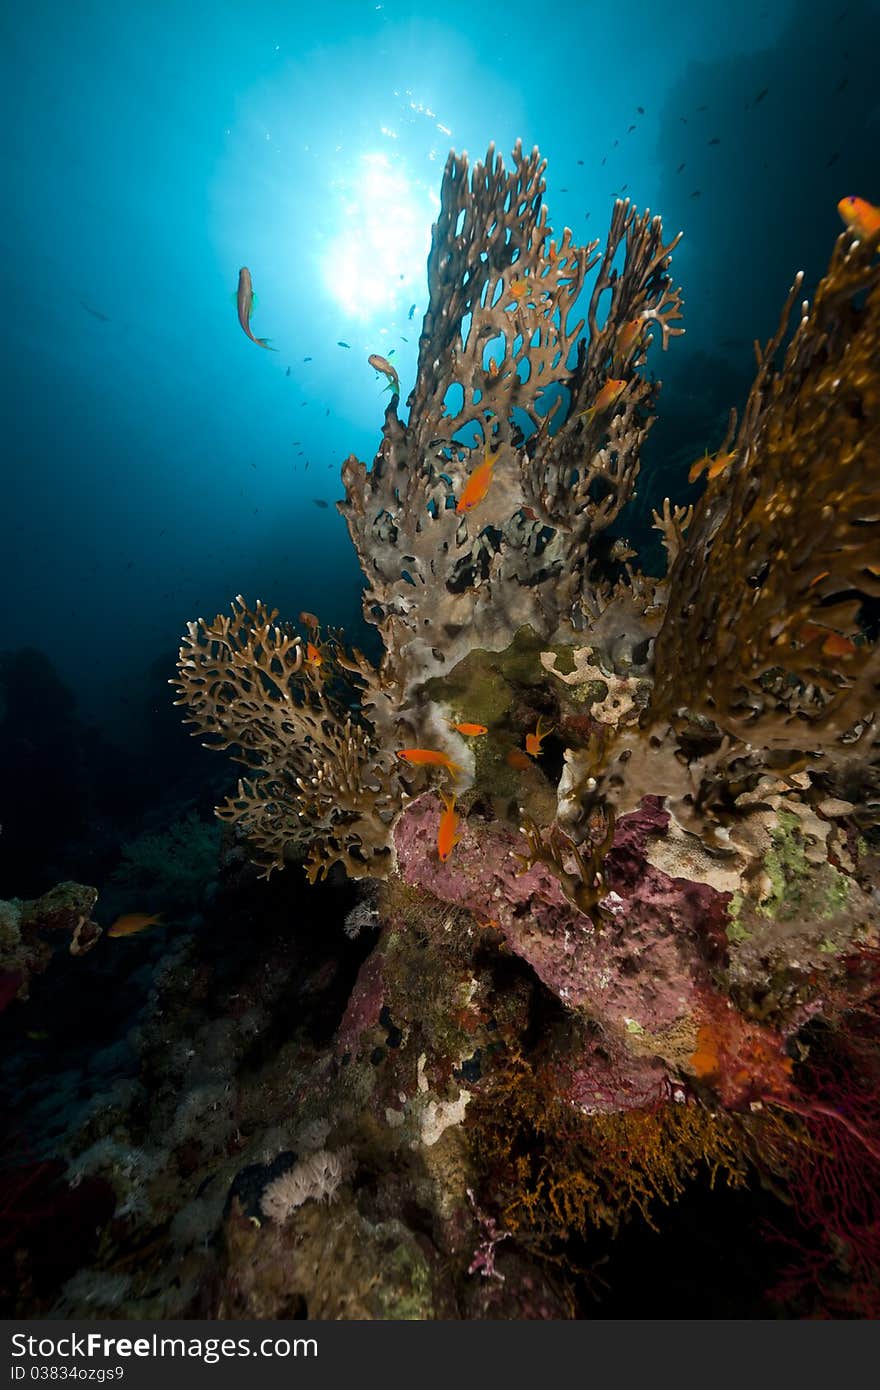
[
  {"x": 552, "y": 1171},
  {"x": 319, "y": 782},
  {"x": 785, "y": 544},
  {"x": 504, "y": 374}
]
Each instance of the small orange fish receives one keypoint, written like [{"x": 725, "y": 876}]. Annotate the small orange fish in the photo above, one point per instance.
[
  {"x": 627, "y": 335},
  {"x": 860, "y": 216},
  {"x": 469, "y": 730},
  {"x": 447, "y": 839},
  {"x": 133, "y": 922},
  {"x": 429, "y": 757},
  {"x": 833, "y": 643},
  {"x": 244, "y": 300},
  {"x": 518, "y": 289},
  {"x": 607, "y": 398},
  {"x": 534, "y": 741},
  {"x": 552, "y": 254},
  {"x": 313, "y": 654},
  {"x": 493, "y": 368},
  {"x": 836, "y": 644},
  {"x": 477, "y": 485},
  {"x": 719, "y": 463},
  {"x": 517, "y": 758},
  {"x": 711, "y": 464}
]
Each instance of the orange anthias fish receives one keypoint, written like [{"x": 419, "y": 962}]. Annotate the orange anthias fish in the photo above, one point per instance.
[
  {"x": 628, "y": 334},
  {"x": 834, "y": 643},
  {"x": 313, "y": 654},
  {"x": 429, "y": 757},
  {"x": 534, "y": 741},
  {"x": 244, "y": 300},
  {"x": 382, "y": 365},
  {"x": 518, "y": 289},
  {"x": 469, "y": 730},
  {"x": 477, "y": 485},
  {"x": 447, "y": 839},
  {"x": 609, "y": 396},
  {"x": 711, "y": 464},
  {"x": 860, "y": 216},
  {"x": 134, "y": 922}
]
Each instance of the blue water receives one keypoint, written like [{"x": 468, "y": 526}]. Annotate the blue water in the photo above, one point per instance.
[{"x": 156, "y": 459}]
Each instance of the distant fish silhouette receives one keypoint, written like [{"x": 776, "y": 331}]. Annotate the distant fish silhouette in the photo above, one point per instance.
[
  {"x": 696, "y": 193},
  {"x": 307, "y": 359},
  {"x": 319, "y": 502},
  {"x": 833, "y": 160},
  {"x": 287, "y": 373},
  {"x": 412, "y": 309},
  {"x": 679, "y": 169},
  {"x": 641, "y": 110},
  {"x": 844, "y": 82},
  {"x": 340, "y": 343},
  {"x": 630, "y": 129},
  {"x": 715, "y": 140},
  {"x": 761, "y": 95},
  {"x": 95, "y": 313}
]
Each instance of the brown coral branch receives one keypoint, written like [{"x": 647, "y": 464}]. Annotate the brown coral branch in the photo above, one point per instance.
[
  {"x": 321, "y": 784},
  {"x": 762, "y": 629},
  {"x": 503, "y": 371}
]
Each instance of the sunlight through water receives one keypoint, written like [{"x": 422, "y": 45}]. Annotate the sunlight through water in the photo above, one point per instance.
[{"x": 382, "y": 252}]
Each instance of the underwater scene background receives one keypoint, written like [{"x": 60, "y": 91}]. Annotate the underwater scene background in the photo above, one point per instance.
[{"x": 521, "y": 556}]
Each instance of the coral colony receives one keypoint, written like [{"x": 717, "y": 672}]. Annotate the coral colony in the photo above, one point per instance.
[
  {"x": 608, "y": 843},
  {"x": 662, "y": 796}
]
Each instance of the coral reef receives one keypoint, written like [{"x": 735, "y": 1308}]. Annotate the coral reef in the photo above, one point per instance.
[
  {"x": 644, "y": 958},
  {"x": 25, "y": 928}
]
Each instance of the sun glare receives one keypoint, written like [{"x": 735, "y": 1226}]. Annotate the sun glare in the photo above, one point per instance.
[{"x": 385, "y": 231}]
